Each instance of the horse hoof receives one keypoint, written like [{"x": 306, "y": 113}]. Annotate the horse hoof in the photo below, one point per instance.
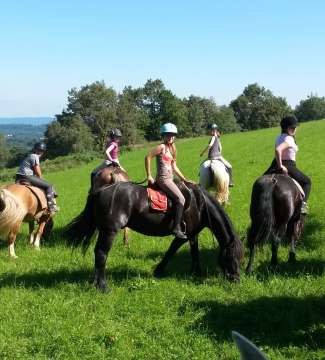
[
  {"x": 104, "y": 289},
  {"x": 292, "y": 258},
  {"x": 248, "y": 271},
  {"x": 196, "y": 272},
  {"x": 158, "y": 272}
]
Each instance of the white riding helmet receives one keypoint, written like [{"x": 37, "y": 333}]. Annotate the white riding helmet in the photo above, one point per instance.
[{"x": 168, "y": 128}]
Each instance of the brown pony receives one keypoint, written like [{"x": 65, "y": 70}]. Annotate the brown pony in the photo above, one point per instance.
[
  {"x": 20, "y": 203},
  {"x": 108, "y": 176}
]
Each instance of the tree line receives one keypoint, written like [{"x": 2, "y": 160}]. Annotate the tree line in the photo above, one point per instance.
[{"x": 139, "y": 112}]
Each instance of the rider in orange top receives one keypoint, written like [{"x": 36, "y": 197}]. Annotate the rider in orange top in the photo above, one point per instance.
[{"x": 165, "y": 154}]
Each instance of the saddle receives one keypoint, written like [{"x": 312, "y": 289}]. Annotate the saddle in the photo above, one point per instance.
[
  {"x": 40, "y": 195},
  {"x": 159, "y": 201},
  {"x": 302, "y": 193},
  {"x": 299, "y": 187}
]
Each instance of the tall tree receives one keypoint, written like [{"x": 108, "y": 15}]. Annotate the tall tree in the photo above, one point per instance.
[
  {"x": 131, "y": 119},
  {"x": 312, "y": 108},
  {"x": 258, "y": 108},
  {"x": 71, "y": 136},
  {"x": 96, "y": 105}
]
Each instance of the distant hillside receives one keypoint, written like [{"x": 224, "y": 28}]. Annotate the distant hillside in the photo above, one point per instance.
[
  {"x": 22, "y": 135},
  {"x": 26, "y": 120}
]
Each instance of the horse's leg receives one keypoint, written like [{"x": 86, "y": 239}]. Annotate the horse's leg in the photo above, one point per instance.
[
  {"x": 194, "y": 245},
  {"x": 291, "y": 235},
  {"x": 252, "y": 250},
  {"x": 292, "y": 251},
  {"x": 126, "y": 237},
  {"x": 174, "y": 246},
  {"x": 103, "y": 246},
  {"x": 11, "y": 244},
  {"x": 274, "y": 259},
  {"x": 39, "y": 235},
  {"x": 31, "y": 232},
  {"x": 252, "y": 235}
]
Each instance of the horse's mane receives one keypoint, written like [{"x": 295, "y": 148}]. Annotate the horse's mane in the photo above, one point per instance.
[{"x": 12, "y": 213}]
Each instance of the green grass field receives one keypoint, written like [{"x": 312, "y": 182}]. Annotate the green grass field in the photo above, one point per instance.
[{"x": 49, "y": 309}]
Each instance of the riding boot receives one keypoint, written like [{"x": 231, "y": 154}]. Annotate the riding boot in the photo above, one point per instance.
[
  {"x": 177, "y": 222},
  {"x": 231, "y": 184},
  {"x": 304, "y": 208},
  {"x": 53, "y": 208}
]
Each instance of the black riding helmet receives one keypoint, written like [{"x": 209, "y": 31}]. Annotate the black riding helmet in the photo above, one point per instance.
[
  {"x": 115, "y": 133},
  {"x": 40, "y": 146},
  {"x": 289, "y": 121}
]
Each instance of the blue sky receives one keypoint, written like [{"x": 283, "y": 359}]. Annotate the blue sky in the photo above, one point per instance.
[{"x": 206, "y": 48}]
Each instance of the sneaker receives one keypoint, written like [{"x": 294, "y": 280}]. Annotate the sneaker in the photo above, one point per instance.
[
  {"x": 178, "y": 233},
  {"x": 53, "y": 208},
  {"x": 304, "y": 208},
  {"x": 231, "y": 184}
]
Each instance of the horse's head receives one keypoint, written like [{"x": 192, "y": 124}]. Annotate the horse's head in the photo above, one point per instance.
[{"x": 230, "y": 258}]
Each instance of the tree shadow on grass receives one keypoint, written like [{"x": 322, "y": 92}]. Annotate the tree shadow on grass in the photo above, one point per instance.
[
  {"x": 291, "y": 270},
  {"x": 267, "y": 321},
  {"x": 178, "y": 267},
  {"x": 84, "y": 277}
]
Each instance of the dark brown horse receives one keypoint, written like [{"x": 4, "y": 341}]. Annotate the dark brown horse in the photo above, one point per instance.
[
  {"x": 126, "y": 204},
  {"x": 20, "y": 203},
  {"x": 107, "y": 176},
  {"x": 275, "y": 214}
]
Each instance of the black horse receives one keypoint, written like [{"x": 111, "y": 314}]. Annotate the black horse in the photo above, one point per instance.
[
  {"x": 126, "y": 204},
  {"x": 275, "y": 214}
]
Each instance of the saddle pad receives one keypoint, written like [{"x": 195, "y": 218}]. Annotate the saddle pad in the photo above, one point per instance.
[
  {"x": 40, "y": 194},
  {"x": 158, "y": 199},
  {"x": 299, "y": 187}
]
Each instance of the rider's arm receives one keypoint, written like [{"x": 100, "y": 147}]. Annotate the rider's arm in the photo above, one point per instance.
[
  {"x": 108, "y": 153},
  {"x": 154, "y": 152},
  {"x": 209, "y": 146},
  {"x": 278, "y": 155},
  {"x": 37, "y": 170}
]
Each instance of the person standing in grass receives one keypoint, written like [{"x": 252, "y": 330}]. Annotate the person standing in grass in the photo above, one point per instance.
[
  {"x": 214, "y": 151},
  {"x": 284, "y": 162},
  {"x": 165, "y": 154}
]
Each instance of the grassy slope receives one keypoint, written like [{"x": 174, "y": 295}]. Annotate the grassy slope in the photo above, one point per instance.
[{"x": 50, "y": 311}]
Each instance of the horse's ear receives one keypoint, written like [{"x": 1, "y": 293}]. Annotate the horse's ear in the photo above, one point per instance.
[{"x": 248, "y": 350}]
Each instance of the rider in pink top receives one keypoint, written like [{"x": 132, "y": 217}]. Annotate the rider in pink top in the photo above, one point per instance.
[{"x": 111, "y": 153}]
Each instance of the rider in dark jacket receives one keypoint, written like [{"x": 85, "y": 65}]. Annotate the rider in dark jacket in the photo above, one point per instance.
[{"x": 30, "y": 171}]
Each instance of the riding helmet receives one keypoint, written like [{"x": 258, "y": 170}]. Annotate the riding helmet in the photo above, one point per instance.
[
  {"x": 40, "y": 146},
  {"x": 213, "y": 127},
  {"x": 115, "y": 133},
  {"x": 289, "y": 121},
  {"x": 168, "y": 128}
]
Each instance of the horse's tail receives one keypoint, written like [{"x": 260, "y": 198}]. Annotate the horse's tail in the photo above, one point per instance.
[
  {"x": 261, "y": 212},
  {"x": 82, "y": 228},
  {"x": 220, "y": 180},
  {"x": 12, "y": 211}
]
